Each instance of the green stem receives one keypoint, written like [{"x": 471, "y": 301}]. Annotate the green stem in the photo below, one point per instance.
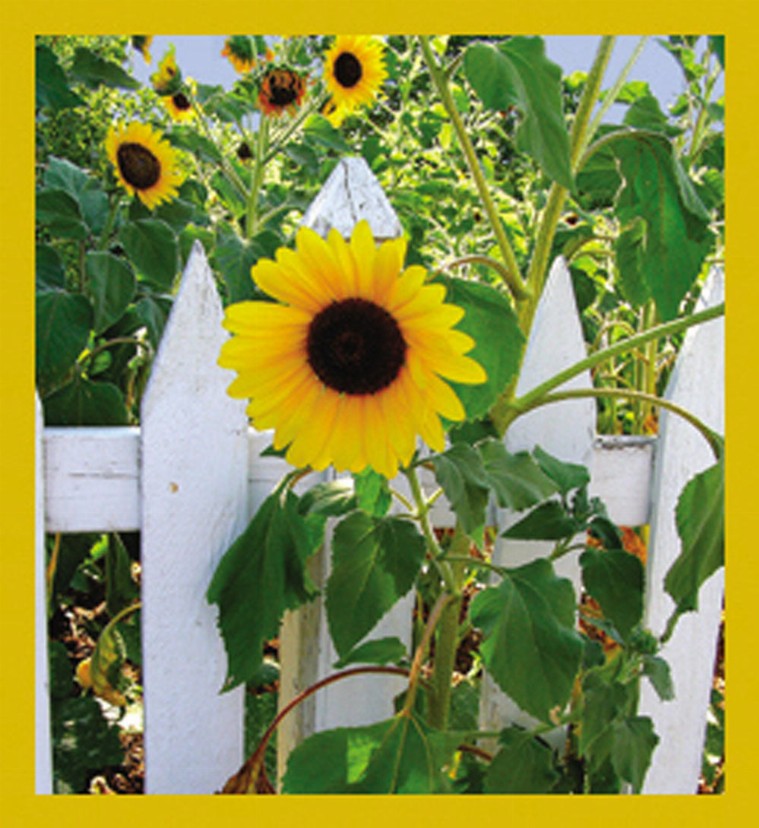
[
  {"x": 312, "y": 106},
  {"x": 419, "y": 656},
  {"x": 714, "y": 439},
  {"x": 515, "y": 286},
  {"x": 516, "y": 407},
  {"x": 226, "y": 167},
  {"x": 257, "y": 177},
  {"x": 440, "y": 82}
]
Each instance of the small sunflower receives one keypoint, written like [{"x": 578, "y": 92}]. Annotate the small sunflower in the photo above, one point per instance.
[
  {"x": 144, "y": 163},
  {"x": 142, "y": 44},
  {"x": 354, "y": 72},
  {"x": 350, "y": 364},
  {"x": 168, "y": 79},
  {"x": 281, "y": 90},
  {"x": 179, "y": 105},
  {"x": 241, "y": 52}
]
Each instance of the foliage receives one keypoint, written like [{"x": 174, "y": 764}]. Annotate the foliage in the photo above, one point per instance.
[{"x": 494, "y": 166}]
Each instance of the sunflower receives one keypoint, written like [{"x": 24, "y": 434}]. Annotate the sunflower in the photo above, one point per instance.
[
  {"x": 354, "y": 71},
  {"x": 179, "y": 105},
  {"x": 350, "y": 364},
  {"x": 281, "y": 90},
  {"x": 168, "y": 79},
  {"x": 144, "y": 162},
  {"x": 142, "y": 44},
  {"x": 239, "y": 49}
]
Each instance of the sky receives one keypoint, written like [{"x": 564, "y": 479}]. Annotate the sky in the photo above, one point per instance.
[{"x": 199, "y": 56}]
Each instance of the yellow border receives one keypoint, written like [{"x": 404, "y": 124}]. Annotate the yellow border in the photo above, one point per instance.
[{"x": 18, "y": 24}]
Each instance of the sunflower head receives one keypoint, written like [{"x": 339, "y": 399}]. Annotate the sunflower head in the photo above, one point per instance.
[
  {"x": 142, "y": 44},
  {"x": 168, "y": 79},
  {"x": 353, "y": 361},
  {"x": 281, "y": 90},
  {"x": 179, "y": 105},
  {"x": 240, "y": 51},
  {"x": 144, "y": 163},
  {"x": 353, "y": 73}
]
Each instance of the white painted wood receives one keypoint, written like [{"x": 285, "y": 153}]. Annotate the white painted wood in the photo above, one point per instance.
[
  {"x": 92, "y": 479},
  {"x": 194, "y": 482},
  {"x": 43, "y": 775},
  {"x": 697, "y": 384},
  {"x": 565, "y": 429},
  {"x": 621, "y": 471},
  {"x": 350, "y": 194}
]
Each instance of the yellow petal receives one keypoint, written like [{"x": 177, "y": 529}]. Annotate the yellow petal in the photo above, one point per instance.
[
  {"x": 281, "y": 281},
  {"x": 363, "y": 251},
  {"x": 388, "y": 264},
  {"x": 406, "y": 286},
  {"x": 444, "y": 399}
]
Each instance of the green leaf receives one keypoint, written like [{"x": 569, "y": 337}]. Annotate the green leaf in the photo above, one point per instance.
[
  {"x": 523, "y": 765},
  {"x": 461, "y": 474},
  {"x": 615, "y": 579},
  {"x": 634, "y": 741},
  {"x": 567, "y": 476},
  {"x": 61, "y": 174},
  {"x": 372, "y": 492},
  {"x": 152, "y": 248},
  {"x": 491, "y": 322},
  {"x": 110, "y": 286},
  {"x": 517, "y": 73},
  {"x": 630, "y": 249},
  {"x": 548, "y": 521},
  {"x": 400, "y": 755},
  {"x": 374, "y": 563},
  {"x": 603, "y": 703},
  {"x": 62, "y": 331},
  {"x": 700, "y": 518},
  {"x": 61, "y": 671},
  {"x": 517, "y": 480},
  {"x": 51, "y": 84},
  {"x": 95, "y": 71},
  {"x": 717, "y": 45},
  {"x": 260, "y": 576},
  {"x": 530, "y": 646},
  {"x": 319, "y": 130},
  {"x": 233, "y": 259},
  {"x": 388, "y": 650},
  {"x": 120, "y": 589},
  {"x": 332, "y": 498},
  {"x": 153, "y": 311},
  {"x": 645, "y": 113},
  {"x": 658, "y": 673},
  {"x": 60, "y": 213},
  {"x": 186, "y": 138},
  {"x": 83, "y": 402},
  {"x": 49, "y": 272}
]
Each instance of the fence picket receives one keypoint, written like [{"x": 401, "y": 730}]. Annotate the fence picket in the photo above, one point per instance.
[
  {"x": 565, "y": 429},
  {"x": 43, "y": 776},
  {"x": 194, "y": 493},
  {"x": 697, "y": 384}
]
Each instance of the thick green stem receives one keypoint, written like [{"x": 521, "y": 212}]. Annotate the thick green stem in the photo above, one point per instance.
[
  {"x": 441, "y": 84},
  {"x": 259, "y": 165}
]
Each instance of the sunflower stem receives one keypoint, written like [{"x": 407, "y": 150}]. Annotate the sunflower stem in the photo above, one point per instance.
[
  {"x": 306, "y": 111},
  {"x": 441, "y": 84},
  {"x": 259, "y": 165}
]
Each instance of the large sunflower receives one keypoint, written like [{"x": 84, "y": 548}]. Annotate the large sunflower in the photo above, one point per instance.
[
  {"x": 353, "y": 73},
  {"x": 350, "y": 364},
  {"x": 144, "y": 163}
]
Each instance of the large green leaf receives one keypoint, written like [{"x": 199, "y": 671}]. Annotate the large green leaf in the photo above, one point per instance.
[
  {"x": 375, "y": 561},
  {"x": 60, "y": 214},
  {"x": 152, "y": 248},
  {"x": 517, "y": 73},
  {"x": 94, "y": 71},
  {"x": 389, "y": 650},
  {"x": 260, "y": 576},
  {"x": 523, "y": 765},
  {"x": 49, "y": 272},
  {"x": 63, "y": 328},
  {"x": 83, "y": 402},
  {"x": 517, "y": 480},
  {"x": 633, "y": 744},
  {"x": 110, "y": 286},
  {"x": 548, "y": 521},
  {"x": 530, "y": 645},
  {"x": 567, "y": 476},
  {"x": 461, "y": 474},
  {"x": 492, "y": 323},
  {"x": 615, "y": 579},
  {"x": 51, "y": 86},
  {"x": 397, "y": 756},
  {"x": 233, "y": 259},
  {"x": 700, "y": 517},
  {"x": 61, "y": 174}
]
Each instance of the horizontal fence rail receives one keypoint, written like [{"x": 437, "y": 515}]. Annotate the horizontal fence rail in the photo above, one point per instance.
[{"x": 190, "y": 477}]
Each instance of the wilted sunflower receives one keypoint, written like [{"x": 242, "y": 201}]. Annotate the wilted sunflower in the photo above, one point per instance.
[
  {"x": 179, "y": 105},
  {"x": 144, "y": 163},
  {"x": 281, "y": 90},
  {"x": 350, "y": 364},
  {"x": 353, "y": 72},
  {"x": 168, "y": 79},
  {"x": 142, "y": 44},
  {"x": 239, "y": 49}
]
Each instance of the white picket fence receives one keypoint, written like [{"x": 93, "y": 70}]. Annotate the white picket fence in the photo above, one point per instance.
[{"x": 191, "y": 477}]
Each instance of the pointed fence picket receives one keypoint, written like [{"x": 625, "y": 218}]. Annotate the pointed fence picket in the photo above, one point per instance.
[{"x": 190, "y": 477}]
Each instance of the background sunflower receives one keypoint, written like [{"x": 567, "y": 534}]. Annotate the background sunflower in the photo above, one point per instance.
[
  {"x": 352, "y": 365},
  {"x": 353, "y": 73}
]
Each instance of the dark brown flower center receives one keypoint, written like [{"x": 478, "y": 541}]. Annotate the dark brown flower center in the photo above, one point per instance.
[
  {"x": 181, "y": 101},
  {"x": 347, "y": 70},
  {"x": 282, "y": 88},
  {"x": 138, "y": 165},
  {"x": 355, "y": 347}
]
